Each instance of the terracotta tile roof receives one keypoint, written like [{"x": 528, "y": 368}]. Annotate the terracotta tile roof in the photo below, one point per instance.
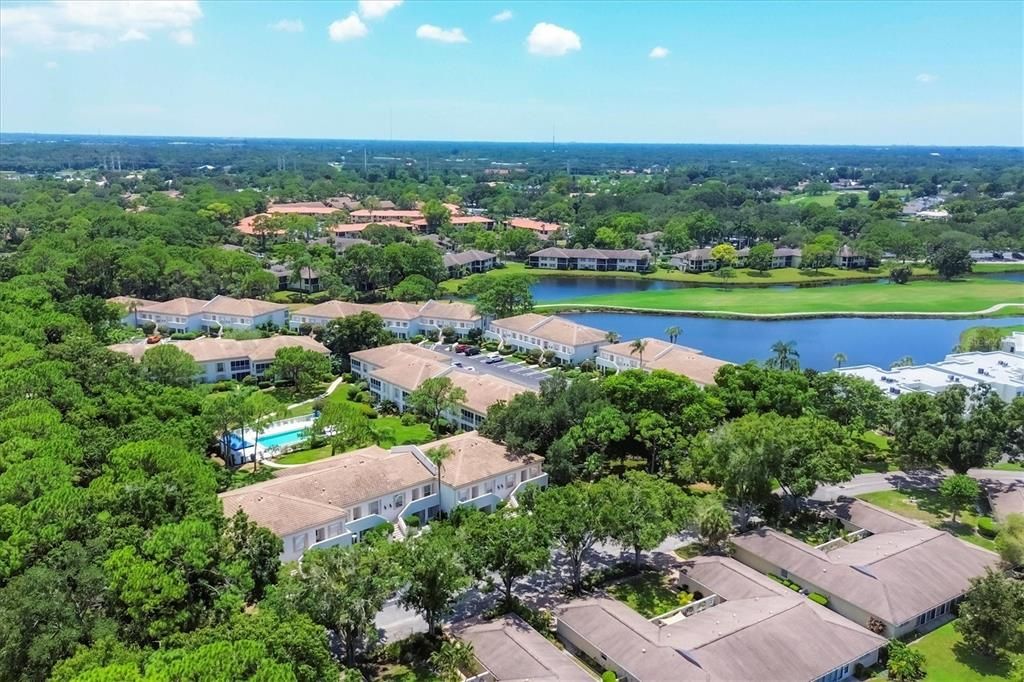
[
  {"x": 457, "y": 220},
  {"x": 658, "y": 354},
  {"x": 364, "y": 215},
  {"x": 551, "y": 328},
  {"x": 303, "y": 208},
  {"x": 246, "y": 225},
  {"x": 346, "y": 228},
  {"x": 534, "y": 225}
]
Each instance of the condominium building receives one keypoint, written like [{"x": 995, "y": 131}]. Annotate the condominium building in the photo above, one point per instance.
[
  {"x": 570, "y": 342},
  {"x": 192, "y": 315},
  {"x": 541, "y": 228},
  {"x": 458, "y": 221},
  {"x": 223, "y": 359},
  {"x": 700, "y": 260},
  {"x": 472, "y": 261},
  {"x": 657, "y": 354},
  {"x": 336, "y": 500},
  {"x": 404, "y": 320},
  {"x": 384, "y": 215},
  {"x": 888, "y": 573},
  {"x": 602, "y": 260},
  {"x": 847, "y": 258},
  {"x": 393, "y": 372},
  {"x": 1003, "y": 372}
]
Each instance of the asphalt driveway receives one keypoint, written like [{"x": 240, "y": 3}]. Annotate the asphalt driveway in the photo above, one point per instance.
[{"x": 524, "y": 375}]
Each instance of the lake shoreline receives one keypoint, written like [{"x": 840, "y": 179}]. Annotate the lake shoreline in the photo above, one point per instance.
[{"x": 994, "y": 313}]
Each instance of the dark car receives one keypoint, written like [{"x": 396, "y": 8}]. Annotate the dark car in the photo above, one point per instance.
[{"x": 470, "y": 351}]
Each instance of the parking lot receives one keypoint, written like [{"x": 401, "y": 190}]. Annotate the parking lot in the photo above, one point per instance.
[{"x": 524, "y": 375}]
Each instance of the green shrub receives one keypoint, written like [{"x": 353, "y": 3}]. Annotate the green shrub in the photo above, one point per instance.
[
  {"x": 818, "y": 598},
  {"x": 367, "y": 411},
  {"x": 408, "y": 419},
  {"x": 793, "y": 586},
  {"x": 987, "y": 527},
  {"x": 505, "y": 351},
  {"x": 319, "y": 297},
  {"x": 608, "y": 676},
  {"x": 185, "y": 336},
  {"x": 412, "y": 521}
]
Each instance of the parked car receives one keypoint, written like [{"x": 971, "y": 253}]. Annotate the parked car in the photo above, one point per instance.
[
  {"x": 471, "y": 351},
  {"x": 456, "y": 363},
  {"x": 460, "y": 348},
  {"x": 493, "y": 359}
]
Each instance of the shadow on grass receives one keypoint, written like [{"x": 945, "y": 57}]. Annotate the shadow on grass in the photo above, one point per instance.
[
  {"x": 758, "y": 274},
  {"x": 983, "y": 665},
  {"x": 816, "y": 273},
  {"x": 646, "y": 594}
]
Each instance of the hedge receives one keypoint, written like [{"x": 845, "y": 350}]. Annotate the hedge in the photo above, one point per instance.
[
  {"x": 987, "y": 527},
  {"x": 818, "y": 598}
]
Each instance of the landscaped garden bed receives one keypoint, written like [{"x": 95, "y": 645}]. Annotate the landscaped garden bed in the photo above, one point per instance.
[{"x": 929, "y": 507}]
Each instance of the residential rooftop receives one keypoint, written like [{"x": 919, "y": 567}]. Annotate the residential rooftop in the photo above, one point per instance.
[
  {"x": 392, "y": 310},
  {"x": 658, "y": 354},
  {"x": 208, "y": 349},
  {"x": 511, "y": 651},
  {"x": 551, "y": 328},
  {"x": 622, "y": 254},
  {"x": 452, "y": 260}
]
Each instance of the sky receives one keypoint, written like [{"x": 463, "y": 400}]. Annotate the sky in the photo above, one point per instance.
[{"x": 920, "y": 73}]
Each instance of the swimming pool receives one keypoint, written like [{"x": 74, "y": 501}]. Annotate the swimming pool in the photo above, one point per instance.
[{"x": 283, "y": 438}]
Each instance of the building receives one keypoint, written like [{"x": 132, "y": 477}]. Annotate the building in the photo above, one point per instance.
[
  {"x": 384, "y": 215},
  {"x": 700, "y": 260},
  {"x": 604, "y": 260},
  {"x": 311, "y": 208},
  {"x": 353, "y": 229},
  {"x": 649, "y": 240},
  {"x": 472, "y": 261},
  {"x": 185, "y": 314},
  {"x": 544, "y": 230},
  {"x": 306, "y": 280},
  {"x": 688, "y": 362},
  {"x": 896, "y": 576},
  {"x": 847, "y": 258},
  {"x": 571, "y": 343},
  {"x": 404, "y": 320},
  {"x": 224, "y": 359},
  {"x": 1014, "y": 343},
  {"x": 739, "y": 626},
  {"x": 1002, "y": 371},
  {"x": 509, "y": 650},
  {"x": 393, "y": 372},
  {"x": 459, "y": 221},
  {"x": 334, "y": 501}
]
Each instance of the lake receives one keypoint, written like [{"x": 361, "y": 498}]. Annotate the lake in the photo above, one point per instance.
[{"x": 870, "y": 341}]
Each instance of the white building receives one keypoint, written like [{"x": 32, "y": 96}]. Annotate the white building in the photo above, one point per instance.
[
  {"x": 393, "y": 372},
  {"x": 404, "y": 320},
  {"x": 223, "y": 359},
  {"x": 602, "y": 260},
  {"x": 336, "y": 500},
  {"x": 1002, "y": 371},
  {"x": 657, "y": 354},
  {"x": 194, "y": 315},
  {"x": 571, "y": 343},
  {"x": 1014, "y": 343}
]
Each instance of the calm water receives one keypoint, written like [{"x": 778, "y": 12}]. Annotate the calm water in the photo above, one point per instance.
[{"x": 868, "y": 341}]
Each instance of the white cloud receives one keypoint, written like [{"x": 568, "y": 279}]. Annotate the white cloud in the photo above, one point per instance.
[
  {"x": 503, "y": 15},
  {"x": 132, "y": 35},
  {"x": 549, "y": 40},
  {"x": 183, "y": 37},
  {"x": 349, "y": 28},
  {"x": 658, "y": 53},
  {"x": 926, "y": 78},
  {"x": 84, "y": 25},
  {"x": 288, "y": 26},
  {"x": 377, "y": 9},
  {"x": 442, "y": 35},
  {"x": 50, "y": 65}
]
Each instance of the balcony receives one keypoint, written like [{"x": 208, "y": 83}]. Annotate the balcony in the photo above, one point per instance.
[{"x": 344, "y": 540}]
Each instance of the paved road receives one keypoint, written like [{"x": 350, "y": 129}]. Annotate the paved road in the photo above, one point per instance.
[
  {"x": 872, "y": 483},
  {"x": 521, "y": 374}
]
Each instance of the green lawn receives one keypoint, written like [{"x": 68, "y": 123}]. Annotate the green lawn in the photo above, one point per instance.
[
  {"x": 646, "y": 594},
  {"x": 1008, "y": 466},
  {"x": 967, "y": 335},
  {"x": 922, "y": 296},
  {"x": 928, "y": 507},
  {"x": 829, "y": 198},
  {"x": 949, "y": 661}
]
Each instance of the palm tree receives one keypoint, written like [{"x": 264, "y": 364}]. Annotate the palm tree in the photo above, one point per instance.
[
  {"x": 673, "y": 333},
  {"x": 840, "y": 358},
  {"x": 133, "y": 308},
  {"x": 450, "y": 658},
  {"x": 638, "y": 347},
  {"x": 905, "y": 361},
  {"x": 785, "y": 356},
  {"x": 612, "y": 337},
  {"x": 438, "y": 455}
]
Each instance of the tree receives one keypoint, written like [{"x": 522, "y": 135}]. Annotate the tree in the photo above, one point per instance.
[
  {"x": 576, "y": 517},
  {"x": 957, "y": 428},
  {"x": 959, "y": 491},
  {"x": 414, "y": 288},
  {"x": 673, "y": 333},
  {"x": 434, "y": 397},
  {"x": 785, "y": 356},
  {"x": 169, "y": 365},
  {"x": 437, "y": 575},
  {"x": 1010, "y": 540},
  {"x": 501, "y": 296},
  {"x": 643, "y": 511},
  {"x": 436, "y": 214},
  {"x": 724, "y": 255},
  {"x": 300, "y": 367},
  {"x": 761, "y": 257},
  {"x": 511, "y": 545},
  {"x": 900, "y": 274},
  {"x": 905, "y": 361},
  {"x": 342, "y": 589},
  {"x": 260, "y": 410},
  {"x": 905, "y": 664},
  {"x": 349, "y": 334},
  {"x": 437, "y": 455},
  {"x": 346, "y": 426},
  {"x": 714, "y": 523},
  {"x": 257, "y": 284},
  {"x": 950, "y": 259},
  {"x": 992, "y": 616},
  {"x": 612, "y": 337},
  {"x": 638, "y": 347},
  {"x": 839, "y": 359},
  {"x": 450, "y": 659},
  {"x": 874, "y": 194}
]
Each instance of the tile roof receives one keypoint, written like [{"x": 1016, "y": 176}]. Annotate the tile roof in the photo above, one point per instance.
[
  {"x": 345, "y": 228},
  {"x": 535, "y": 225},
  {"x": 182, "y": 306},
  {"x": 457, "y": 220},
  {"x": 385, "y": 355},
  {"x": 302, "y": 208},
  {"x": 512, "y": 651},
  {"x": 208, "y": 349},
  {"x": 127, "y": 301},
  {"x": 393, "y": 310},
  {"x": 242, "y": 307},
  {"x": 551, "y": 328},
  {"x": 366, "y": 215},
  {"x": 281, "y": 513},
  {"x": 465, "y": 257},
  {"x": 484, "y": 390},
  {"x": 658, "y": 354},
  {"x": 475, "y": 458}
]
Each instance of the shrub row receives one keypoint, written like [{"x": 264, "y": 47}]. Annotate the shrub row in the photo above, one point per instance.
[
  {"x": 987, "y": 527},
  {"x": 818, "y": 598}
]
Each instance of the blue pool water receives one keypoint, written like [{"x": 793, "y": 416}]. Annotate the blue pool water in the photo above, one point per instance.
[{"x": 283, "y": 438}]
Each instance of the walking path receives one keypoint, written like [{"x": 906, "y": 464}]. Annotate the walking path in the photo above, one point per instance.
[{"x": 780, "y": 316}]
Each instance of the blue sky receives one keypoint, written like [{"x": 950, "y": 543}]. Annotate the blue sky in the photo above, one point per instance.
[{"x": 928, "y": 73}]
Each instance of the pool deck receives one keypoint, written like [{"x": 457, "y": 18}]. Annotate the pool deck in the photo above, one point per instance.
[{"x": 247, "y": 436}]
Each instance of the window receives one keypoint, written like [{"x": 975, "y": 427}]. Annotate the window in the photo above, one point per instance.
[
  {"x": 375, "y": 507},
  {"x": 463, "y": 496},
  {"x": 220, "y": 366},
  {"x": 415, "y": 494},
  {"x": 489, "y": 487},
  {"x": 510, "y": 480},
  {"x": 299, "y": 543},
  {"x": 427, "y": 490},
  {"x": 357, "y": 513},
  {"x": 476, "y": 492},
  {"x": 321, "y": 533},
  {"x": 399, "y": 500}
]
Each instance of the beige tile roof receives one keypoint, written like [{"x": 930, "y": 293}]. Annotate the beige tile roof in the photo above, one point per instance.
[
  {"x": 393, "y": 310},
  {"x": 658, "y": 354},
  {"x": 551, "y": 328},
  {"x": 535, "y": 225},
  {"x": 383, "y": 356},
  {"x": 126, "y": 301},
  {"x": 242, "y": 307},
  {"x": 484, "y": 390},
  {"x": 207, "y": 349},
  {"x": 330, "y": 310},
  {"x": 894, "y": 576},
  {"x": 135, "y": 350},
  {"x": 475, "y": 458},
  {"x": 409, "y": 371},
  {"x": 281, "y": 513},
  {"x": 463, "y": 312},
  {"x": 183, "y": 306},
  {"x": 761, "y": 631},
  {"x": 512, "y": 651}
]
